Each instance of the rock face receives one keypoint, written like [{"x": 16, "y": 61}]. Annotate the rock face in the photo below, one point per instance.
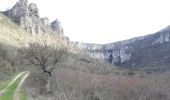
[
  {"x": 151, "y": 51},
  {"x": 27, "y": 16},
  {"x": 55, "y": 25},
  {"x": 45, "y": 21}
]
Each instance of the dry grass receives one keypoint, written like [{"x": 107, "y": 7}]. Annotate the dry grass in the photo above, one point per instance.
[
  {"x": 12, "y": 34},
  {"x": 77, "y": 85}
]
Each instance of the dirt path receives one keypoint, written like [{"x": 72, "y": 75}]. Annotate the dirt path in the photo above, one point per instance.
[
  {"x": 17, "y": 92},
  {"x": 1, "y": 92}
]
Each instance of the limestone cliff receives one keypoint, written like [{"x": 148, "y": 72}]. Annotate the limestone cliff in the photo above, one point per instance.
[
  {"x": 27, "y": 16},
  {"x": 146, "y": 51}
]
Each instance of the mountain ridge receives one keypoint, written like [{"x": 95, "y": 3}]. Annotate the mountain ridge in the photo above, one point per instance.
[{"x": 125, "y": 53}]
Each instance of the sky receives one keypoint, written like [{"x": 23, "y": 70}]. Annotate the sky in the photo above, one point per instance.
[{"x": 104, "y": 21}]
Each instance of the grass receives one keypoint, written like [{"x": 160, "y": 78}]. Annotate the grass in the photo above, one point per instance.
[
  {"x": 8, "y": 95},
  {"x": 13, "y": 35},
  {"x": 22, "y": 95},
  {"x": 4, "y": 84},
  {"x": 1, "y": 86}
]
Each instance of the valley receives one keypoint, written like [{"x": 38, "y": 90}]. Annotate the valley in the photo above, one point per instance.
[{"x": 46, "y": 65}]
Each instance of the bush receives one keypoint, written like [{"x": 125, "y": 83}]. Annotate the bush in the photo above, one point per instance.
[{"x": 76, "y": 85}]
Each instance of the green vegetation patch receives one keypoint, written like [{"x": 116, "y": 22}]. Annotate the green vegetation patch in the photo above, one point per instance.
[
  {"x": 3, "y": 84},
  {"x": 8, "y": 95},
  {"x": 22, "y": 95}
]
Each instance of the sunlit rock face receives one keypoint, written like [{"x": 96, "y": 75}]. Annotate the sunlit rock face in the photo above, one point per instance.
[
  {"x": 45, "y": 21},
  {"x": 114, "y": 53},
  {"x": 33, "y": 10},
  {"x": 27, "y": 16},
  {"x": 147, "y": 51}
]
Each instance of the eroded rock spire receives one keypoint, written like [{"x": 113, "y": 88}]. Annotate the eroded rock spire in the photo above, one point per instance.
[{"x": 27, "y": 16}]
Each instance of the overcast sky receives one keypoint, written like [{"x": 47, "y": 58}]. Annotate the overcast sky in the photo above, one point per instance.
[{"x": 104, "y": 21}]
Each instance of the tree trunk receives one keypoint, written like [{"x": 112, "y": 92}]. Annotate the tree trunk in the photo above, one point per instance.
[{"x": 48, "y": 84}]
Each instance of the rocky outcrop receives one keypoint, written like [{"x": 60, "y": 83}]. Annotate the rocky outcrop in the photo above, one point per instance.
[
  {"x": 55, "y": 25},
  {"x": 27, "y": 16},
  {"x": 146, "y": 51},
  {"x": 45, "y": 21}
]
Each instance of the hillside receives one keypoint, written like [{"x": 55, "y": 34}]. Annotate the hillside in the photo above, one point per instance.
[
  {"x": 15, "y": 41},
  {"x": 13, "y": 34}
]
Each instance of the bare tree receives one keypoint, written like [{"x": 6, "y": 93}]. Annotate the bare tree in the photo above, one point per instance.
[{"x": 46, "y": 58}]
